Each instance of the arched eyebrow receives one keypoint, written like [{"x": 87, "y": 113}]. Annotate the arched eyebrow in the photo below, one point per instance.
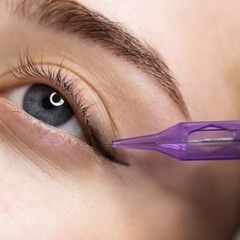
[{"x": 73, "y": 18}]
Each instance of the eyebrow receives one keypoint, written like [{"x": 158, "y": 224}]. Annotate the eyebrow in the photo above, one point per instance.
[{"x": 74, "y": 18}]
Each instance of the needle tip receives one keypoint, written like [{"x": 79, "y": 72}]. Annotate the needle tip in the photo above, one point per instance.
[
  {"x": 116, "y": 144},
  {"x": 141, "y": 143}
]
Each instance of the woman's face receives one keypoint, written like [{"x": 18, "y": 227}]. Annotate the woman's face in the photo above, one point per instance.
[{"x": 72, "y": 80}]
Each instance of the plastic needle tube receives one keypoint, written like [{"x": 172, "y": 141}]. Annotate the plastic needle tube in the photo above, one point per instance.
[{"x": 191, "y": 141}]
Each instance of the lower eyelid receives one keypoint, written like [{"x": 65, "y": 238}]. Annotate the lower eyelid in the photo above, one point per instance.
[{"x": 45, "y": 140}]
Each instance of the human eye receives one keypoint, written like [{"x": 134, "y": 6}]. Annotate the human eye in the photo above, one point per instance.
[
  {"x": 51, "y": 94},
  {"x": 47, "y": 105}
]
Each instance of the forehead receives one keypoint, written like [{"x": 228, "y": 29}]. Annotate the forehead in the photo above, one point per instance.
[
  {"x": 159, "y": 21},
  {"x": 170, "y": 23},
  {"x": 181, "y": 30}
]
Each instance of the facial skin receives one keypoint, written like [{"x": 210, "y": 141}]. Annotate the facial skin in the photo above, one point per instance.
[{"x": 54, "y": 186}]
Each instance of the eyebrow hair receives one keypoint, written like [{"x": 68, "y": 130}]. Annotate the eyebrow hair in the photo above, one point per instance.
[{"x": 74, "y": 18}]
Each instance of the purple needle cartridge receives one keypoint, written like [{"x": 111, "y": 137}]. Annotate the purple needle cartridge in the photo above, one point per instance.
[{"x": 191, "y": 141}]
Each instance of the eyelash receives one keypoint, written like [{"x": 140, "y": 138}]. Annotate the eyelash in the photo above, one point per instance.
[{"x": 28, "y": 67}]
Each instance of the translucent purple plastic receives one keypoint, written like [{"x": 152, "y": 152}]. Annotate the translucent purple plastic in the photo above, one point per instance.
[{"x": 191, "y": 141}]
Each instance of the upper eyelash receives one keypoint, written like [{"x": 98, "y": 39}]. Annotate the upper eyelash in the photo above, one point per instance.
[{"x": 28, "y": 67}]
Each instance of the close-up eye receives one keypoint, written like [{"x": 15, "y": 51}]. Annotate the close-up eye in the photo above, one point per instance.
[
  {"x": 48, "y": 105},
  {"x": 53, "y": 96}
]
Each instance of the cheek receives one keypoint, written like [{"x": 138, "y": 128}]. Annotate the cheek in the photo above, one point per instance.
[
  {"x": 37, "y": 202},
  {"x": 25, "y": 194},
  {"x": 52, "y": 199},
  {"x": 40, "y": 204}
]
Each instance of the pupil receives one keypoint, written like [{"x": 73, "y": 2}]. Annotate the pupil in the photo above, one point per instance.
[{"x": 56, "y": 98}]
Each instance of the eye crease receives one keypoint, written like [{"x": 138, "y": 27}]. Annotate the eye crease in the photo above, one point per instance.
[{"x": 50, "y": 105}]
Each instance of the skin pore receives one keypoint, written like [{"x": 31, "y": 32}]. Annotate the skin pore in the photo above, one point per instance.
[{"x": 55, "y": 186}]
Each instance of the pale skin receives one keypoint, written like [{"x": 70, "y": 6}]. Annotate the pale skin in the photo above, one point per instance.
[{"x": 54, "y": 186}]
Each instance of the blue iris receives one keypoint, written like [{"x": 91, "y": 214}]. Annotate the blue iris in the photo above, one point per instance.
[{"x": 47, "y": 105}]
